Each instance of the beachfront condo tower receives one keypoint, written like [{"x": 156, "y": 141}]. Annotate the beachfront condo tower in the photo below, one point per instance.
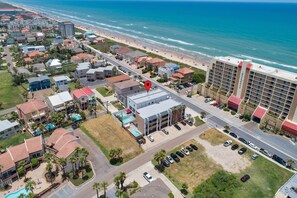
[{"x": 66, "y": 28}]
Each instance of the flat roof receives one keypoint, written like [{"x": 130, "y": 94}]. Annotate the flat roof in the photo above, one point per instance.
[
  {"x": 146, "y": 96},
  {"x": 60, "y": 98},
  {"x": 156, "y": 108},
  {"x": 126, "y": 84},
  {"x": 289, "y": 188},
  {"x": 6, "y": 124},
  {"x": 260, "y": 68},
  {"x": 60, "y": 78}
]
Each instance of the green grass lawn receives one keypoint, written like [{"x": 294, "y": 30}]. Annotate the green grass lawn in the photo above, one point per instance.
[
  {"x": 10, "y": 95},
  {"x": 104, "y": 91},
  {"x": 78, "y": 181},
  {"x": 197, "y": 121},
  {"x": 14, "y": 140}
]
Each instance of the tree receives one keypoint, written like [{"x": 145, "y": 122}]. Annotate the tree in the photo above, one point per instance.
[
  {"x": 49, "y": 168},
  {"x": 121, "y": 194},
  {"x": 116, "y": 181},
  {"x": 184, "y": 189},
  {"x": 96, "y": 186},
  {"x": 104, "y": 186},
  {"x": 290, "y": 163},
  {"x": 73, "y": 160},
  {"x": 22, "y": 195},
  {"x": 159, "y": 156},
  {"x": 85, "y": 154},
  {"x": 34, "y": 162},
  {"x": 226, "y": 127},
  {"x": 122, "y": 177},
  {"x": 62, "y": 163},
  {"x": 48, "y": 156},
  {"x": 30, "y": 186},
  {"x": 112, "y": 153},
  {"x": 119, "y": 153},
  {"x": 203, "y": 114},
  {"x": 21, "y": 168}
]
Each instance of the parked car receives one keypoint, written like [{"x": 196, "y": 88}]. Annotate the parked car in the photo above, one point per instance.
[
  {"x": 279, "y": 160},
  {"x": 237, "y": 115},
  {"x": 245, "y": 178},
  {"x": 233, "y": 135},
  {"x": 242, "y": 151},
  {"x": 180, "y": 154},
  {"x": 185, "y": 151},
  {"x": 177, "y": 127},
  {"x": 253, "y": 146},
  {"x": 170, "y": 159},
  {"x": 183, "y": 122},
  {"x": 241, "y": 117},
  {"x": 254, "y": 156},
  {"x": 189, "y": 122},
  {"x": 176, "y": 159},
  {"x": 148, "y": 177},
  {"x": 165, "y": 131},
  {"x": 228, "y": 143},
  {"x": 234, "y": 147},
  {"x": 194, "y": 147},
  {"x": 151, "y": 138},
  {"x": 141, "y": 141},
  {"x": 242, "y": 140},
  {"x": 189, "y": 149},
  {"x": 165, "y": 163},
  {"x": 265, "y": 152}
]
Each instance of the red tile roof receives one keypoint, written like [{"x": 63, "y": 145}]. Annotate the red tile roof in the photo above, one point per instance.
[
  {"x": 63, "y": 141},
  {"x": 155, "y": 60},
  {"x": 31, "y": 106},
  {"x": 34, "y": 144},
  {"x": 259, "y": 112},
  {"x": 178, "y": 75},
  {"x": 87, "y": 91},
  {"x": 290, "y": 127},
  {"x": 68, "y": 149},
  {"x": 55, "y": 136},
  {"x": 234, "y": 102},
  {"x": 36, "y": 53},
  {"x": 6, "y": 161},
  {"x": 185, "y": 71},
  {"x": 77, "y": 93},
  {"x": 123, "y": 50},
  {"x": 18, "y": 152},
  {"x": 119, "y": 78}
]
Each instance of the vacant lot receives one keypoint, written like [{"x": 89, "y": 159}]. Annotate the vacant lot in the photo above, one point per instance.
[
  {"x": 192, "y": 169},
  {"x": 214, "y": 137},
  {"x": 197, "y": 121},
  {"x": 107, "y": 134},
  {"x": 104, "y": 91},
  {"x": 14, "y": 140},
  {"x": 10, "y": 95}
]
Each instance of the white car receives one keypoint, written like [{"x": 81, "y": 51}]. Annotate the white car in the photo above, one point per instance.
[
  {"x": 170, "y": 159},
  {"x": 148, "y": 177},
  {"x": 228, "y": 143},
  {"x": 254, "y": 156},
  {"x": 185, "y": 151},
  {"x": 151, "y": 138},
  {"x": 237, "y": 115},
  {"x": 254, "y": 146}
]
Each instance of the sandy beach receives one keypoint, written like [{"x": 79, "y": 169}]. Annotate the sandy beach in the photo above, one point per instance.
[{"x": 166, "y": 53}]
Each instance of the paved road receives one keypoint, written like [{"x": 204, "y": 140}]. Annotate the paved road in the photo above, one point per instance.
[
  {"x": 6, "y": 111},
  {"x": 274, "y": 144},
  {"x": 87, "y": 191},
  {"x": 9, "y": 59}
]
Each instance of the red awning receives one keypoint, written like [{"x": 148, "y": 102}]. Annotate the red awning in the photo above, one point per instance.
[
  {"x": 234, "y": 102},
  {"x": 290, "y": 127},
  {"x": 259, "y": 112}
]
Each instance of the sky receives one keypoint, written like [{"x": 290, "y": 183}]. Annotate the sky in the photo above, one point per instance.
[{"x": 276, "y": 1}]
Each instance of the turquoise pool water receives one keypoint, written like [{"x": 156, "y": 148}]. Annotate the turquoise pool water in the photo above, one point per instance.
[
  {"x": 76, "y": 117},
  {"x": 135, "y": 132},
  {"x": 50, "y": 126},
  {"x": 127, "y": 120},
  {"x": 16, "y": 194}
]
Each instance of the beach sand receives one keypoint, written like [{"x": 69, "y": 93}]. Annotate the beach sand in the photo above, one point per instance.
[{"x": 166, "y": 53}]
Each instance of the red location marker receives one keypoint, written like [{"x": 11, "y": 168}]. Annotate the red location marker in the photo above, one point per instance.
[{"x": 147, "y": 85}]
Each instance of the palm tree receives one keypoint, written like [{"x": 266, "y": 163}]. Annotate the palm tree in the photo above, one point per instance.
[
  {"x": 85, "y": 154},
  {"x": 203, "y": 114},
  {"x": 62, "y": 162},
  {"x": 22, "y": 195},
  {"x": 226, "y": 127},
  {"x": 122, "y": 177},
  {"x": 48, "y": 156},
  {"x": 112, "y": 153},
  {"x": 290, "y": 163},
  {"x": 96, "y": 186},
  {"x": 30, "y": 186},
  {"x": 104, "y": 186},
  {"x": 21, "y": 167},
  {"x": 159, "y": 156},
  {"x": 49, "y": 168},
  {"x": 121, "y": 194},
  {"x": 116, "y": 181},
  {"x": 31, "y": 195},
  {"x": 119, "y": 152},
  {"x": 73, "y": 160}
]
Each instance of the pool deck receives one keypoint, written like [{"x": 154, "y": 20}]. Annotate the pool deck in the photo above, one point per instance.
[{"x": 36, "y": 175}]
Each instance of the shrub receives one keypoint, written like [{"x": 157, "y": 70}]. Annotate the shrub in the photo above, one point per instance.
[
  {"x": 226, "y": 109},
  {"x": 233, "y": 112}
]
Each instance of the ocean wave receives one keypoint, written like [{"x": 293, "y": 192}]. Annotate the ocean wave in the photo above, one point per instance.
[
  {"x": 144, "y": 27},
  {"x": 89, "y": 16},
  {"x": 268, "y": 62},
  {"x": 129, "y": 24}
]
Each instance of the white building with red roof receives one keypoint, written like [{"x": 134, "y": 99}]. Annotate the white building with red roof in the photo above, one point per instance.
[{"x": 84, "y": 97}]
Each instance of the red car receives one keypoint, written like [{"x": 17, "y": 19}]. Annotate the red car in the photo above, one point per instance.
[{"x": 183, "y": 122}]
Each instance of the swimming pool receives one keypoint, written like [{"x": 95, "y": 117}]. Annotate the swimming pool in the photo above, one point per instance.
[
  {"x": 76, "y": 117},
  {"x": 50, "y": 126},
  {"x": 125, "y": 118},
  {"x": 135, "y": 132},
  {"x": 16, "y": 194}
]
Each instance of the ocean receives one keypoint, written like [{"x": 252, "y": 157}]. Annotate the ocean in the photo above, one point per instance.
[{"x": 263, "y": 32}]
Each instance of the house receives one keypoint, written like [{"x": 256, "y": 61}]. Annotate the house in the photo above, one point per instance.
[
  {"x": 81, "y": 69},
  {"x": 98, "y": 63},
  {"x": 39, "y": 36},
  {"x": 134, "y": 55},
  {"x": 84, "y": 97},
  {"x": 183, "y": 75},
  {"x": 28, "y": 49},
  {"x": 20, "y": 39},
  {"x": 10, "y": 41},
  {"x": 24, "y": 71},
  {"x": 159, "y": 115},
  {"x": 122, "y": 51},
  {"x": 54, "y": 64},
  {"x": 31, "y": 148},
  {"x": 113, "y": 48},
  {"x": 38, "y": 67},
  {"x": 116, "y": 79},
  {"x": 90, "y": 38},
  {"x": 128, "y": 87},
  {"x": 63, "y": 143},
  {"x": 30, "y": 38},
  {"x": 154, "y": 64},
  {"x": 157, "y": 189},
  {"x": 82, "y": 57},
  {"x": 33, "y": 111},
  {"x": 99, "y": 40},
  {"x": 77, "y": 50},
  {"x": 35, "y": 54},
  {"x": 60, "y": 102},
  {"x": 100, "y": 73},
  {"x": 39, "y": 83},
  {"x": 8, "y": 128},
  {"x": 61, "y": 82},
  {"x": 168, "y": 70}
]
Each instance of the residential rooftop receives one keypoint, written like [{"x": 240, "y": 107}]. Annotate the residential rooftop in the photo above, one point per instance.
[
  {"x": 6, "y": 124},
  {"x": 146, "y": 96},
  {"x": 61, "y": 78},
  {"x": 60, "y": 98},
  {"x": 126, "y": 84}
]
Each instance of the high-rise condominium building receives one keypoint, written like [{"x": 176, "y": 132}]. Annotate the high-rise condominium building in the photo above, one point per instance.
[
  {"x": 268, "y": 89},
  {"x": 66, "y": 28}
]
